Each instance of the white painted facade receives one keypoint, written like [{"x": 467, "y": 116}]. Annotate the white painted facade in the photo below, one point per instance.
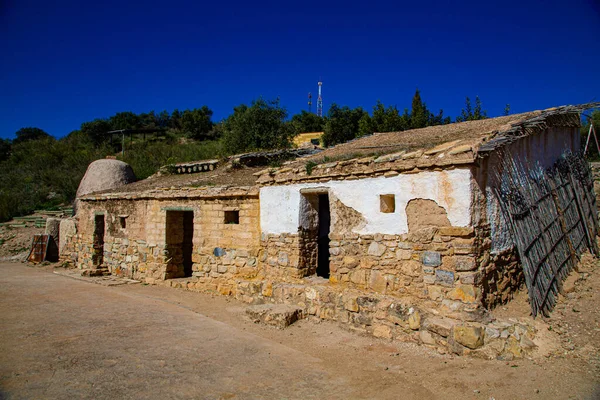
[{"x": 280, "y": 205}]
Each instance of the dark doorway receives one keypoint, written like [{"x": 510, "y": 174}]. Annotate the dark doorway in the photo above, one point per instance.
[
  {"x": 323, "y": 237},
  {"x": 179, "y": 241},
  {"x": 314, "y": 229},
  {"x": 98, "y": 244}
]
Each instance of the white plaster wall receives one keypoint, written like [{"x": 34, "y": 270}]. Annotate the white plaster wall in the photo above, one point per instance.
[{"x": 280, "y": 205}]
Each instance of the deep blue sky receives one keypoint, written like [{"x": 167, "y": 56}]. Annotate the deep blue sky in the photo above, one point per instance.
[{"x": 64, "y": 63}]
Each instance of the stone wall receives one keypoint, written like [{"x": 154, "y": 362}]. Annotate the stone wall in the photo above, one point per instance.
[{"x": 140, "y": 250}]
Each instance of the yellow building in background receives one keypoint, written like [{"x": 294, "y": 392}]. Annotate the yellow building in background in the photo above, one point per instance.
[{"x": 308, "y": 139}]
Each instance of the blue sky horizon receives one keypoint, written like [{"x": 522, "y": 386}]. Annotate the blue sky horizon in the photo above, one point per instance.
[{"x": 70, "y": 62}]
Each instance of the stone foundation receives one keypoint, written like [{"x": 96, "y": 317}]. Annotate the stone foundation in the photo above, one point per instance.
[{"x": 384, "y": 316}]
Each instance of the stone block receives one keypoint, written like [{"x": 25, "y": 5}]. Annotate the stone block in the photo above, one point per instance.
[
  {"x": 377, "y": 282},
  {"x": 403, "y": 254},
  {"x": 435, "y": 292},
  {"x": 278, "y": 315},
  {"x": 441, "y": 326},
  {"x": 376, "y": 249},
  {"x": 470, "y": 278},
  {"x": 424, "y": 235},
  {"x": 414, "y": 321},
  {"x": 464, "y": 263},
  {"x": 283, "y": 259},
  {"x": 427, "y": 338},
  {"x": 358, "y": 277},
  {"x": 350, "y": 304},
  {"x": 464, "y": 293},
  {"x": 456, "y": 231},
  {"x": 411, "y": 268},
  {"x": 431, "y": 258},
  {"x": 382, "y": 331},
  {"x": 443, "y": 277},
  {"x": 468, "y": 336},
  {"x": 350, "y": 262}
]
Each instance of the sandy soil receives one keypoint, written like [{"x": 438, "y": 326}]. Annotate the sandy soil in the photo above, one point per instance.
[{"x": 63, "y": 338}]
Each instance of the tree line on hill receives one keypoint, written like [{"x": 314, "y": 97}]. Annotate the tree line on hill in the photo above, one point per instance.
[{"x": 40, "y": 171}]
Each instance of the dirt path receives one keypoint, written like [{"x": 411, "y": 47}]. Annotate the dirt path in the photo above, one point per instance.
[{"x": 63, "y": 338}]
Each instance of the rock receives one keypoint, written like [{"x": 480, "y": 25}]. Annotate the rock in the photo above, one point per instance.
[
  {"x": 441, "y": 326},
  {"x": 432, "y": 258},
  {"x": 377, "y": 282},
  {"x": 468, "y": 336},
  {"x": 376, "y": 249},
  {"x": 464, "y": 293},
  {"x": 444, "y": 277},
  {"x": 527, "y": 344},
  {"x": 424, "y": 235},
  {"x": 411, "y": 268},
  {"x": 403, "y": 254},
  {"x": 427, "y": 338},
  {"x": 456, "y": 231},
  {"x": 414, "y": 321},
  {"x": 53, "y": 229},
  {"x": 68, "y": 229},
  {"x": 278, "y": 315},
  {"x": 464, "y": 263},
  {"x": 350, "y": 304},
  {"x": 382, "y": 331},
  {"x": 435, "y": 292},
  {"x": 512, "y": 349}
]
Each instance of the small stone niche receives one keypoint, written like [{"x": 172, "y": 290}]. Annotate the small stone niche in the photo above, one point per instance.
[
  {"x": 232, "y": 217},
  {"x": 387, "y": 203},
  {"x": 123, "y": 221}
]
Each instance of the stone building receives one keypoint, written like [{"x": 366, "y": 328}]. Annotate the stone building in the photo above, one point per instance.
[{"x": 396, "y": 234}]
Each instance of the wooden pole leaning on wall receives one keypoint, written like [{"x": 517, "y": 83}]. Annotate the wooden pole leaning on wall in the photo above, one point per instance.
[{"x": 587, "y": 142}]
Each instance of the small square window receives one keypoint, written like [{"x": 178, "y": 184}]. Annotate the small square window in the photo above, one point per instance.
[
  {"x": 123, "y": 222},
  {"x": 232, "y": 217},
  {"x": 387, "y": 203}
]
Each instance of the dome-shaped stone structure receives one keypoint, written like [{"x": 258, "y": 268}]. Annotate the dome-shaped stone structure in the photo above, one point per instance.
[{"x": 103, "y": 175}]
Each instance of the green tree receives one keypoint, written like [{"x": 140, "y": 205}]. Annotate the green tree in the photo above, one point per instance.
[
  {"x": 5, "y": 147},
  {"x": 97, "y": 130},
  {"x": 306, "y": 122},
  {"x": 472, "y": 114},
  {"x": 388, "y": 119},
  {"x": 419, "y": 115},
  {"x": 125, "y": 120},
  {"x": 30, "y": 133},
  {"x": 506, "y": 110},
  {"x": 262, "y": 125},
  {"x": 175, "y": 120},
  {"x": 365, "y": 125},
  {"x": 342, "y": 124},
  {"x": 197, "y": 122}
]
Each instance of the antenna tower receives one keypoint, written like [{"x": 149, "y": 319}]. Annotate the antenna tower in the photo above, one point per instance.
[
  {"x": 309, "y": 102},
  {"x": 320, "y": 101}
]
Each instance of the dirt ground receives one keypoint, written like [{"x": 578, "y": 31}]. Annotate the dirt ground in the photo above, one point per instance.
[
  {"x": 64, "y": 338},
  {"x": 16, "y": 242}
]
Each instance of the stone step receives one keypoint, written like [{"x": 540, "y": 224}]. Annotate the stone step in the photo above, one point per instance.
[
  {"x": 278, "y": 315},
  {"x": 95, "y": 272}
]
